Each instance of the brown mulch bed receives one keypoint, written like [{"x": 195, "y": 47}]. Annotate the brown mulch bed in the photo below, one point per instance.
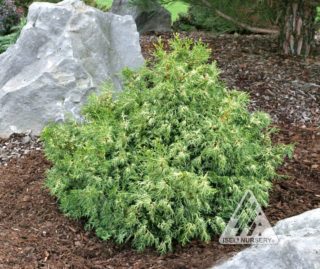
[{"x": 34, "y": 233}]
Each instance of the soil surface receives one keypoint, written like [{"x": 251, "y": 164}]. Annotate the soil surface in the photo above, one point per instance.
[{"x": 34, "y": 233}]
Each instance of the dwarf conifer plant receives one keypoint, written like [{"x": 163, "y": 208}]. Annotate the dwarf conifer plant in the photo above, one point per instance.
[{"x": 168, "y": 159}]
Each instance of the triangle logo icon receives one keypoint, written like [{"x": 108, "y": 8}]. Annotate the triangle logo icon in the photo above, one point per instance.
[{"x": 248, "y": 224}]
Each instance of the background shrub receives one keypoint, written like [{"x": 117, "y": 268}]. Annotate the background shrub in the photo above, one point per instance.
[
  {"x": 168, "y": 159},
  {"x": 252, "y": 12},
  {"x": 24, "y": 4},
  {"x": 9, "y": 16},
  {"x": 200, "y": 18}
]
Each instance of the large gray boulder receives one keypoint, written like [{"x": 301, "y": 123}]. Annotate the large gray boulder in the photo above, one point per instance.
[
  {"x": 64, "y": 53},
  {"x": 153, "y": 18},
  {"x": 298, "y": 247}
]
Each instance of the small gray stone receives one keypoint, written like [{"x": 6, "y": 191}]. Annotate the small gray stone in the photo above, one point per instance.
[
  {"x": 154, "y": 18},
  {"x": 26, "y": 139}
]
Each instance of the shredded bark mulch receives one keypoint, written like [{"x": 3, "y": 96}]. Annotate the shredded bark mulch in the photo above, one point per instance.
[{"x": 35, "y": 234}]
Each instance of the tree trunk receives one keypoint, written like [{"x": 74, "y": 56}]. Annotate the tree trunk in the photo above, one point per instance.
[{"x": 297, "y": 29}]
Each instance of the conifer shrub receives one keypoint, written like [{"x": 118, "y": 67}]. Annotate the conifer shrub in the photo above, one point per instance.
[{"x": 168, "y": 159}]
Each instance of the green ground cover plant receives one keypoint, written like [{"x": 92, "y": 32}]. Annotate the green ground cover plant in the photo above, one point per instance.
[
  {"x": 177, "y": 8},
  {"x": 168, "y": 159}
]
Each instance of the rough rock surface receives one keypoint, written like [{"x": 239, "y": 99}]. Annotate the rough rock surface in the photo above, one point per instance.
[
  {"x": 64, "y": 53},
  {"x": 298, "y": 247},
  {"x": 155, "y": 18}
]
